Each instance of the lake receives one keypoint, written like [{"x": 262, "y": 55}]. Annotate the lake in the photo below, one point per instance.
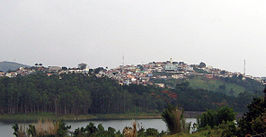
[{"x": 7, "y": 131}]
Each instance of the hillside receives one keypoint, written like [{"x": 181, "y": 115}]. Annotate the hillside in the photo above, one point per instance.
[
  {"x": 230, "y": 86},
  {"x": 83, "y": 94},
  {"x": 6, "y": 66},
  {"x": 198, "y": 76}
]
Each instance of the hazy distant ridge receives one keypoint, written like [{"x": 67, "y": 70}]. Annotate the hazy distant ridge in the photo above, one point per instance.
[{"x": 6, "y": 66}]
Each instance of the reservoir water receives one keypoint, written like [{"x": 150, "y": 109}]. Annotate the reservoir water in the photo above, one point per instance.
[{"x": 7, "y": 131}]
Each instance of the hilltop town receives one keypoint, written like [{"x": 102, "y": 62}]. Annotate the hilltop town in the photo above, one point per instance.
[{"x": 145, "y": 74}]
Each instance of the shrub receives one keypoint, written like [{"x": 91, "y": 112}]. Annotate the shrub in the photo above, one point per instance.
[
  {"x": 152, "y": 132},
  {"x": 216, "y": 117}
]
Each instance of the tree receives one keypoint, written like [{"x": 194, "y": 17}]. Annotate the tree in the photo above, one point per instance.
[
  {"x": 253, "y": 122},
  {"x": 84, "y": 94},
  {"x": 97, "y": 70},
  {"x": 64, "y": 68},
  {"x": 202, "y": 65},
  {"x": 216, "y": 117},
  {"x": 225, "y": 114},
  {"x": 182, "y": 86},
  {"x": 82, "y": 66},
  {"x": 173, "y": 117}
]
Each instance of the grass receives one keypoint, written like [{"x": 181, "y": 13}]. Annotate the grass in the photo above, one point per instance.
[
  {"x": 214, "y": 84},
  {"x": 46, "y": 128},
  {"x": 39, "y": 129},
  {"x": 33, "y": 117}
]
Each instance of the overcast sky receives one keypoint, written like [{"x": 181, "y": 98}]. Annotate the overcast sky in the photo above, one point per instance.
[{"x": 221, "y": 33}]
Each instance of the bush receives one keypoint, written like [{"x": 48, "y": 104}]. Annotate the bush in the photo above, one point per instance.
[
  {"x": 92, "y": 131},
  {"x": 229, "y": 128},
  {"x": 152, "y": 132},
  {"x": 216, "y": 117}
]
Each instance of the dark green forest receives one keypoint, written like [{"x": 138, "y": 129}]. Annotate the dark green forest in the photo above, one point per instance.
[{"x": 82, "y": 94}]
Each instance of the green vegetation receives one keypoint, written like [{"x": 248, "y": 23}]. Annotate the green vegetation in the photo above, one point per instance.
[
  {"x": 233, "y": 86},
  {"x": 202, "y": 133},
  {"x": 251, "y": 86},
  {"x": 199, "y": 70},
  {"x": 216, "y": 85},
  {"x": 202, "y": 100},
  {"x": 92, "y": 131},
  {"x": 216, "y": 117},
  {"x": 33, "y": 117},
  {"x": 220, "y": 123},
  {"x": 74, "y": 94},
  {"x": 174, "y": 119},
  {"x": 213, "y": 123},
  {"x": 42, "y": 129},
  {"x": 78, "y": 94},
  {"x": 150, "y": 132},
  {"x": 59, "y": 129},
  {"x": 253, "y": 122}
]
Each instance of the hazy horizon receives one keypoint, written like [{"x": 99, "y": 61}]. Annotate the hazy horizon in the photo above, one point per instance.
[{"x": 100, "y": 32}]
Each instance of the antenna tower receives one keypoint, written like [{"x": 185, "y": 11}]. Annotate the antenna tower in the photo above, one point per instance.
[{"x": 244, "y": 67}]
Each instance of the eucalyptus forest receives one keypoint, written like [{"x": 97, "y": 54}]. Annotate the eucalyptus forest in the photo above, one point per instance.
[{"x": 83, "y": 94}]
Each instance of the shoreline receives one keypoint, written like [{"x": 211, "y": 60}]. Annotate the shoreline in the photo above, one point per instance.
[{"x": 33, "y": 117}]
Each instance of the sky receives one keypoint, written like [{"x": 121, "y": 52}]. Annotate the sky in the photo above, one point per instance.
[{"x": 221, "y": 33}]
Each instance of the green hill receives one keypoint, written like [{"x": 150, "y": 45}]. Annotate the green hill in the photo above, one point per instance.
[
  {"x": 10, "y": 66},
  {"x": 230, "y": 86},
  {"x": 216, "y": 85}
]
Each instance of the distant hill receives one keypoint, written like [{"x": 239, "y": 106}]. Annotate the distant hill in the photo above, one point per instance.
[{"x": 6, "y": 66}]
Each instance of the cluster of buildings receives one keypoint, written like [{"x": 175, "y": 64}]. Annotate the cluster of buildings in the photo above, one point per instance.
[
  {"x": 153, "y": 73},
  {"x": 50, "y": 70}
]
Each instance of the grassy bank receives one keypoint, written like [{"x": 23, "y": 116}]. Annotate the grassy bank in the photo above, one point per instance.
[{"x": 50, "y": 116}]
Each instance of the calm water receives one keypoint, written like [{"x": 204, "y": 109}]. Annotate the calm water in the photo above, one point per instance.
[{"x": 6, "y": 129}]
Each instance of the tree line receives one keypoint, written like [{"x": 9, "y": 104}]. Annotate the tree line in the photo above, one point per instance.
[{"x": 83, "y": 94}]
